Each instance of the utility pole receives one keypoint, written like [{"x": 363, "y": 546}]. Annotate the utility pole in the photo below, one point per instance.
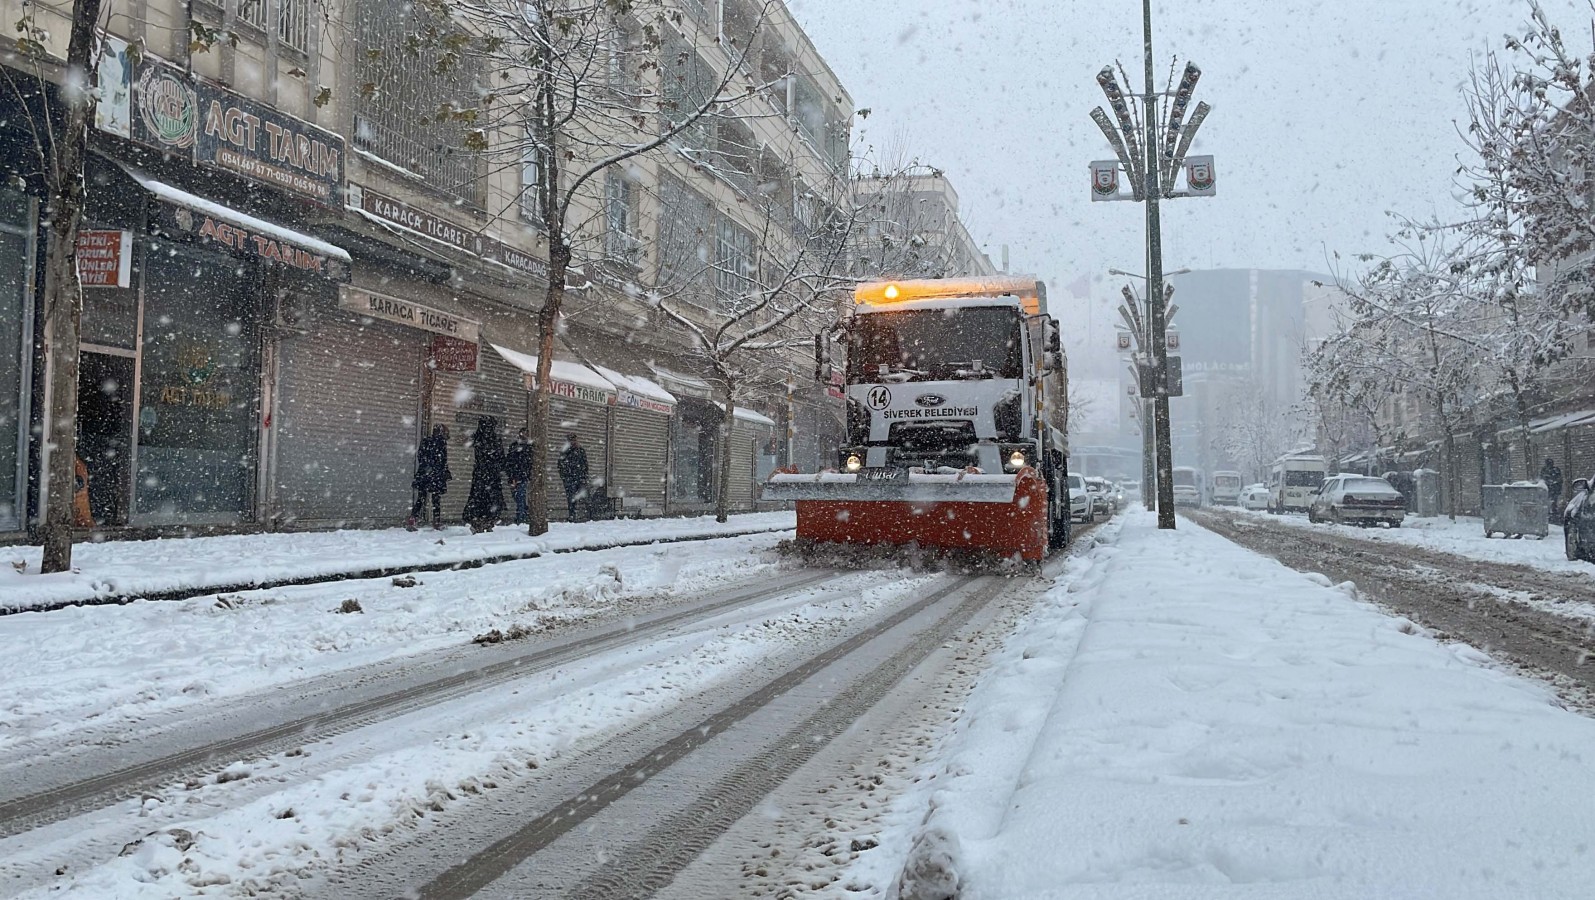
[{"x": 1152, "y": 175}]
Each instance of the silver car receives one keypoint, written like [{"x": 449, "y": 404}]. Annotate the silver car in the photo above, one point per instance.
[{"x": 1357, "y": 500}]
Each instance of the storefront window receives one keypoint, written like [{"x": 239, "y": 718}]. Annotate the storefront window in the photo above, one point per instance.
[
  {"x": 15, "y": 260},
  {"x": 199, "y": 388}
]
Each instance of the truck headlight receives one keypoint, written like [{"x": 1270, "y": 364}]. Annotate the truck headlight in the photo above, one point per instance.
[
  {"x": 1016, "y": 460},
  {"x": 854, "y": 463}
]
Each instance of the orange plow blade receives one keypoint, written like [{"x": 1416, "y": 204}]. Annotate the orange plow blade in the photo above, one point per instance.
[{"x": 1016, "y": 527}]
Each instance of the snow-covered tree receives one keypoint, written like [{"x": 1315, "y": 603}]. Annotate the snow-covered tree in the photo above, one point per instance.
[{"x": 576, "y": 90}]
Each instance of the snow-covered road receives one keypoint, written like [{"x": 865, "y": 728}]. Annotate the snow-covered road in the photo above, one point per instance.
[{"x": 1183, "y": 718}]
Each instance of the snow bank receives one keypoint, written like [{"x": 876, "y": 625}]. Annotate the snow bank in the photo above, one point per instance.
[
  {"x": 142, "y": 568},
  {"x": 1182, "y": 718}
]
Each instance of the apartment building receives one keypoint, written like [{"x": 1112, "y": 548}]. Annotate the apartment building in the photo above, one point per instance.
[{"x": 303, "y": 254}]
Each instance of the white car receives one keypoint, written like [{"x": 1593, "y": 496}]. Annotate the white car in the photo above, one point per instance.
[
  {"x": 1101, "y": 496},
  {"x": 1080, "y": 504},
  {"x": 1255, "y": 496}
]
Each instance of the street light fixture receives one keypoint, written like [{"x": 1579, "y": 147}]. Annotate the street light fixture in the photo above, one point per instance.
[{"x": 1152, "y": 178}]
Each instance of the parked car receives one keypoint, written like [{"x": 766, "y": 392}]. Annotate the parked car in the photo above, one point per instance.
[
  {"x": 1578, "y": 523},
  {"x": 1357, "y": 500},
  {"x": 1255, "y": 496},
  {"x": 1101, "y": 505},
  {"x": 1079, "y": 499}
]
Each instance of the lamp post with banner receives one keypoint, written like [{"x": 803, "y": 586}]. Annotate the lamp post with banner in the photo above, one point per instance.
[{"x": 1152, "y": 153}]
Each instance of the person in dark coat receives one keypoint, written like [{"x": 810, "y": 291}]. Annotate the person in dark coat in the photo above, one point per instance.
[
  {"x": 485, "y": 503},
  {"x": 431, "y": 476},
  {"x": 1552, "y": 476},
  {"x": 573, "y": 472},
  {"x": 518, "y": 469}
]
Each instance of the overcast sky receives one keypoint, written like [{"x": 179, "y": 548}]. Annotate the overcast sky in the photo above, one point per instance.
[{"x": 1326, "y": 115}]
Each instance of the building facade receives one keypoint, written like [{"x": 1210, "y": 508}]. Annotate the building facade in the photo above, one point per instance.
[{"x": 291, "y": 276}]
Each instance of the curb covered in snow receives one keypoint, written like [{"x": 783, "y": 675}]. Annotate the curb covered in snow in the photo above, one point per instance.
[{"x": 186, "y": 593}]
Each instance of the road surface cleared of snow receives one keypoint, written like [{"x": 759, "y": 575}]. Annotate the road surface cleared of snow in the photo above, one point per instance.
[
  {"x": 95, "y": 668},
  {"x": 1187, "y": 719},
  {"x": 137, "y": 568}
]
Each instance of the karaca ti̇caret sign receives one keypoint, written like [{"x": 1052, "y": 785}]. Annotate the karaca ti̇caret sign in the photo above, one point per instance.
[{"x": 403, "y": 312}]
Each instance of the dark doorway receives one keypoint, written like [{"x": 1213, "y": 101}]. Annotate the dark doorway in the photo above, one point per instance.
[{"x": 105, "y": 428}]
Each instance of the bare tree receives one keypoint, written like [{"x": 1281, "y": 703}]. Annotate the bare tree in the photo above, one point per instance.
[
  {"x": 62, "y": 145},
  {"x": 579, "y": 88},
  {"x": 744, "y": 313}
]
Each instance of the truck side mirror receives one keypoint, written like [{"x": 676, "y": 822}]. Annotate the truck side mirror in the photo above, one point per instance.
[
  {"x": 1049, "y": 361},
  {"x": 1054, "y": 340}
]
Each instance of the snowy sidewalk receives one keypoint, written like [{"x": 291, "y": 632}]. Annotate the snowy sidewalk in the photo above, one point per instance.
[
  {"x": 117, "y": 570},
  {"x": 1182, "y": 718}
]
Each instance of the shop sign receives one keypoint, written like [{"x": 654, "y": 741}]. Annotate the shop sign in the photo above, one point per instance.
[
  {"x": 637, "y": 401},
  {"x": 403, "y": 312},
  {"x": 570, "y": 390},
  {"x": 182, "y": 115},
  {"x": 443, "y": 231},
  {"x": 451, "y": 354},
  {"x": 261, "y": 143},
  {"x": 105, "y": 258},
  {"x": 248, "y": 244}
]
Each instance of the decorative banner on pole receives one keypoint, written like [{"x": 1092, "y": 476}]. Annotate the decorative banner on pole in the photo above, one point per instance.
[
  {"x": 1174, "y": 377},
  {"x": 1171, "y": 339},
  {"x": 1199, "y": 177},
  {"x": 1105, "y": 180},
  {"x": 1123, "y": 341}
]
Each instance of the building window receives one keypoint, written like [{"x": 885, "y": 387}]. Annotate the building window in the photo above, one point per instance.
[
  {"x": 533, "y": 171},
  {"x": 625, "y": 60},
  {"x": 733, "y": 265},
  {"x": 407, "y": 87},
  {"x": 252, "y": 12},
  {"x": 293, "y": 24},
  {"x": 686, "y": 221},
  {"x": 620, "y": 212},
  {"x": 687, "y": 82}
]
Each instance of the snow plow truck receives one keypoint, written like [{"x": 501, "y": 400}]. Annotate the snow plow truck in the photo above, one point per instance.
[{"x": 956, "y": 393}]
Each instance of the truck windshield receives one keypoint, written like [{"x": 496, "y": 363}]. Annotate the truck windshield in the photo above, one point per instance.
[
  {"x": 936, "y": 344},
  {"x": 1184, "y": 478},
  {"x": 1303, "y": 478}
]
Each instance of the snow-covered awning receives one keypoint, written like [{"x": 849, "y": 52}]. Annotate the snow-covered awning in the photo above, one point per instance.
[
  {"x": 180, "y": 197},
  {"x": 565, "y": 379},
  {"x": 1564, "y": 420},
  {"x": 687, "y": 385},
  {"x": 746, "y": 415},
  {"x": 638, "y": 392}
]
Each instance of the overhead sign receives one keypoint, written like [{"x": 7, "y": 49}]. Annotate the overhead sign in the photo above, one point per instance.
[
  {"x": 443, "y": 231},
  {"x": 572, "y": 390},
  {"x": 187, "y": 116},
  {"x": 638, "y": 401},
  {"x": 199, "y": 225},
  {"x": 114, "y": 113},
  {"x": 264, "y": 144},
  {"x": 403, "y": 312},
  {"x": 105, "y": 258}
]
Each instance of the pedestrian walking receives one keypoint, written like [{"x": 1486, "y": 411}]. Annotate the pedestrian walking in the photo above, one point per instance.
[
  {"x": 573, "y": 473},
  {"x": 518, "y": 469},
  {"x": 1552, "y": 476},
  {"x": 431, "y": 477},
  {"x": 485, "y": 503}
]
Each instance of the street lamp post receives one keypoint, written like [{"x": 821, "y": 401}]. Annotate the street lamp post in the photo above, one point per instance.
[{"x": 1151, "y": 171}]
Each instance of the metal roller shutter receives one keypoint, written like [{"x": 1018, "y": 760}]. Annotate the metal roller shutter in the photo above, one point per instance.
[
  {"x": 638, "y": 442},
  {"x": 590, "y": 422},
  {"x": 460, "y": 400},
  {"x": 1580, "y": 462},
  {"x": 349, "y": 397},
  {"x": 745, "y": 439}
]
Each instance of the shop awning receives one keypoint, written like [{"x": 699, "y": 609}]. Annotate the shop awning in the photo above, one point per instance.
[
  {"x": 1565, "y": 420},
  {"x": 747, "y": 415},
  {"x": 566, "y": 379},
  {"x": 688, "y": 385},
  {"x": 248, "y": 223},
  {"x": 638, "y": 392}
]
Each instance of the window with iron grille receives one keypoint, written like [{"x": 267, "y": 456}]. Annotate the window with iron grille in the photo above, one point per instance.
[
  {"x": 293, "y": 24},
  {"x": 412, "y": 83},
  {"x": 625, "y": 59},
  {"x": 687, "y": 82},
  {"x": 620, "y": 211},
  {"x": 686, "y": 222},
  {"x": 733, "y": 263},
  {"x": 704, "y": 12},
  {"x": 252, "y": 12}
]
